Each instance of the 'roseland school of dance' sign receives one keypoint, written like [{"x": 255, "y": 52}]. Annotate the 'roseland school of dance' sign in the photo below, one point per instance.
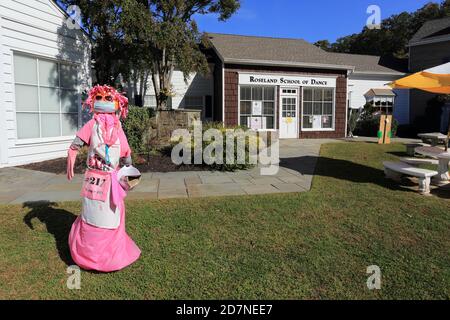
[{"x": 298, "y": 81}]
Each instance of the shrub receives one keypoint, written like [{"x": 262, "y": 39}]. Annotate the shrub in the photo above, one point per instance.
[
  {"x": 252, "y": 142},
  {"x": 136, "y": 127},
  {"x": 369, "y": 126},
  {"x": 353, "y": 117}
]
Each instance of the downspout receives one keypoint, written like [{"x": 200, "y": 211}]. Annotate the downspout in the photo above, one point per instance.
[
  {"x": 346, "y": 105},
  {"x": 223, "y": 93}
]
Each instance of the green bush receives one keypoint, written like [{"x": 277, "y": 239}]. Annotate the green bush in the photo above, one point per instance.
[
  {"x": 136, "y": 127},
  {"x": 353, "y": 118},
  {"x": 250, "y": 142},
  {"x": 368, "y": 123},
  {"x": 369, "y": 126}
]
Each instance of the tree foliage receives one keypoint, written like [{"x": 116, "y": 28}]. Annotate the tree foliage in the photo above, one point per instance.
[
  {"x": 139, "y": 39},
  {"x": 102, "y": 21},
  {"x": 174, "y": 39},
  {"x": 393, "y": 37}
]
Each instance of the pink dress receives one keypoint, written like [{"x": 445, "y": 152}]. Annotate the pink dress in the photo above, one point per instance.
[{"x": 98, "y": 239}]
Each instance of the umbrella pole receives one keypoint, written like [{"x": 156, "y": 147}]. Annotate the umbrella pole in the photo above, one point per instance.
[
  {"x": 448, "y": 133},
  {"x": 448, "y": 136}
]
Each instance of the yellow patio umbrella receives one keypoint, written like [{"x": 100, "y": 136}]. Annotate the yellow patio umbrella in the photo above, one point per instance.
[{"x": 436, "y": 80}]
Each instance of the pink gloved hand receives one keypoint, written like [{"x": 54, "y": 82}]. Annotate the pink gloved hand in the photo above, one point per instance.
[{"x": 71, "y": 157}]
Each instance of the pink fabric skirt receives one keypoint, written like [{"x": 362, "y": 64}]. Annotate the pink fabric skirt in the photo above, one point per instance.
[{"x": 104, "y": 250}]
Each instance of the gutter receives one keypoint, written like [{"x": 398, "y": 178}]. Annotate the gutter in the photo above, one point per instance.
[
  {"x": 346, "y": 107},
  {"x": 380, "y": 73}
]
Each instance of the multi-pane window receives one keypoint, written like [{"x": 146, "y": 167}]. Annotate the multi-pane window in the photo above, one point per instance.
[
  {"x": 257, "y": 105},
  {"x": 289, "y": 91},
  {"x": 47, "y": 99},
  {"x": 383, "y": 103},
  {"x": 318, "y": 108},
  {"x": 150, "y": 101},
  {"x": 289, "y": 107}
]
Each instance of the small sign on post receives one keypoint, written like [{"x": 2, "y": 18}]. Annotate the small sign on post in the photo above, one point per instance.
[{"x": 385, "y": 132}]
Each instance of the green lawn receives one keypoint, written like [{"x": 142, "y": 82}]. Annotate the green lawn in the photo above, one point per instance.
[{"x": 313, "y": 245}]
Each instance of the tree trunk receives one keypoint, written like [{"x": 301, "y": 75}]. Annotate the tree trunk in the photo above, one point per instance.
[
  {"x": 144, "y": 84},
  {"x": 156, "y": 88},
  {"x": 135, "y": 93},
  {"x": 162, "y": 78}
]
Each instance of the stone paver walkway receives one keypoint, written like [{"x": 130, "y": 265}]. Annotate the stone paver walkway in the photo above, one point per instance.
[{"x": 297, "y": 164}]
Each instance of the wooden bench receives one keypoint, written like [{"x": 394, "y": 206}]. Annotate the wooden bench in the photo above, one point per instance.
[{"x": 395, "y": 170}]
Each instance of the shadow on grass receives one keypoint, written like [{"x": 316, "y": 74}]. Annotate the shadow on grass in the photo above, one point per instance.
[
  {"x": 359, "y": 141},
  {"x": 442, "y": 192},
  {"x": 343, "y": 170},
  {"x": 399, "y": 154},
  {"x": 57, "y": 221}
]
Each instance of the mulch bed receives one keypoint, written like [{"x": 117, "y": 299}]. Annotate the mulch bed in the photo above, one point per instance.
[{"x": 156, "y": 163}]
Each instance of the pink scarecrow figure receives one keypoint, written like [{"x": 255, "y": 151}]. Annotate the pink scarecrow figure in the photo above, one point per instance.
[{"x": 98, "y": 240}]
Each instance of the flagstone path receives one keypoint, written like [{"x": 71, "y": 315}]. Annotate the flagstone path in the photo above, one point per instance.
[{"x": 297, "y": 164}]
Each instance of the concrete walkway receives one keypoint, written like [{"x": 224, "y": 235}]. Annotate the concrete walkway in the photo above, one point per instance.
[{"x": 298, "y": 160}]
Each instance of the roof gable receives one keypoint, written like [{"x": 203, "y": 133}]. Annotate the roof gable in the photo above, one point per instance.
[
  {"x": 379, "y": 92},
  {"x": 432, "y": 29}
]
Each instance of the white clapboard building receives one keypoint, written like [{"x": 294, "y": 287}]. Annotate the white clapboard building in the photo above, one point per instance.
[{"x": 44, "y": 68}]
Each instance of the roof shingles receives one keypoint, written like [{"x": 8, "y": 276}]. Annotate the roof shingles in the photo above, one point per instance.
[
  {"x": 234, "y": 48},
  {"x": 431, "y": 29}
]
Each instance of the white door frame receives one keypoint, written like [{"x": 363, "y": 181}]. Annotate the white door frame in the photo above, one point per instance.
[{"x": 297, "y": 104}]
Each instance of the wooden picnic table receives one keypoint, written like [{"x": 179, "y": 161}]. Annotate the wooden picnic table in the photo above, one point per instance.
[
  {"x": 434, "y": 138},
  {"x": 443, "y": 158}
]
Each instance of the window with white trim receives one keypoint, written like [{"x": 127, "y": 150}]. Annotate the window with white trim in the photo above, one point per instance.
[
  {"x": 47, "y": 99},
  {"x": 257, "y": 107},
  {"x": 318, "y": 108}
]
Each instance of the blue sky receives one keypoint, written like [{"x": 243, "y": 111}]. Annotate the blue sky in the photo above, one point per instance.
[{"x": 311, "y": 20}]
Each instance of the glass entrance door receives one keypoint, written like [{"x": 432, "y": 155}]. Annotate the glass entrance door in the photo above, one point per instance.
[{"x": 289, "y": 114}]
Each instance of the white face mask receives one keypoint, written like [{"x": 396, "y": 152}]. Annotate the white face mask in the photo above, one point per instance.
[{"x": 104, "y": 107}]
